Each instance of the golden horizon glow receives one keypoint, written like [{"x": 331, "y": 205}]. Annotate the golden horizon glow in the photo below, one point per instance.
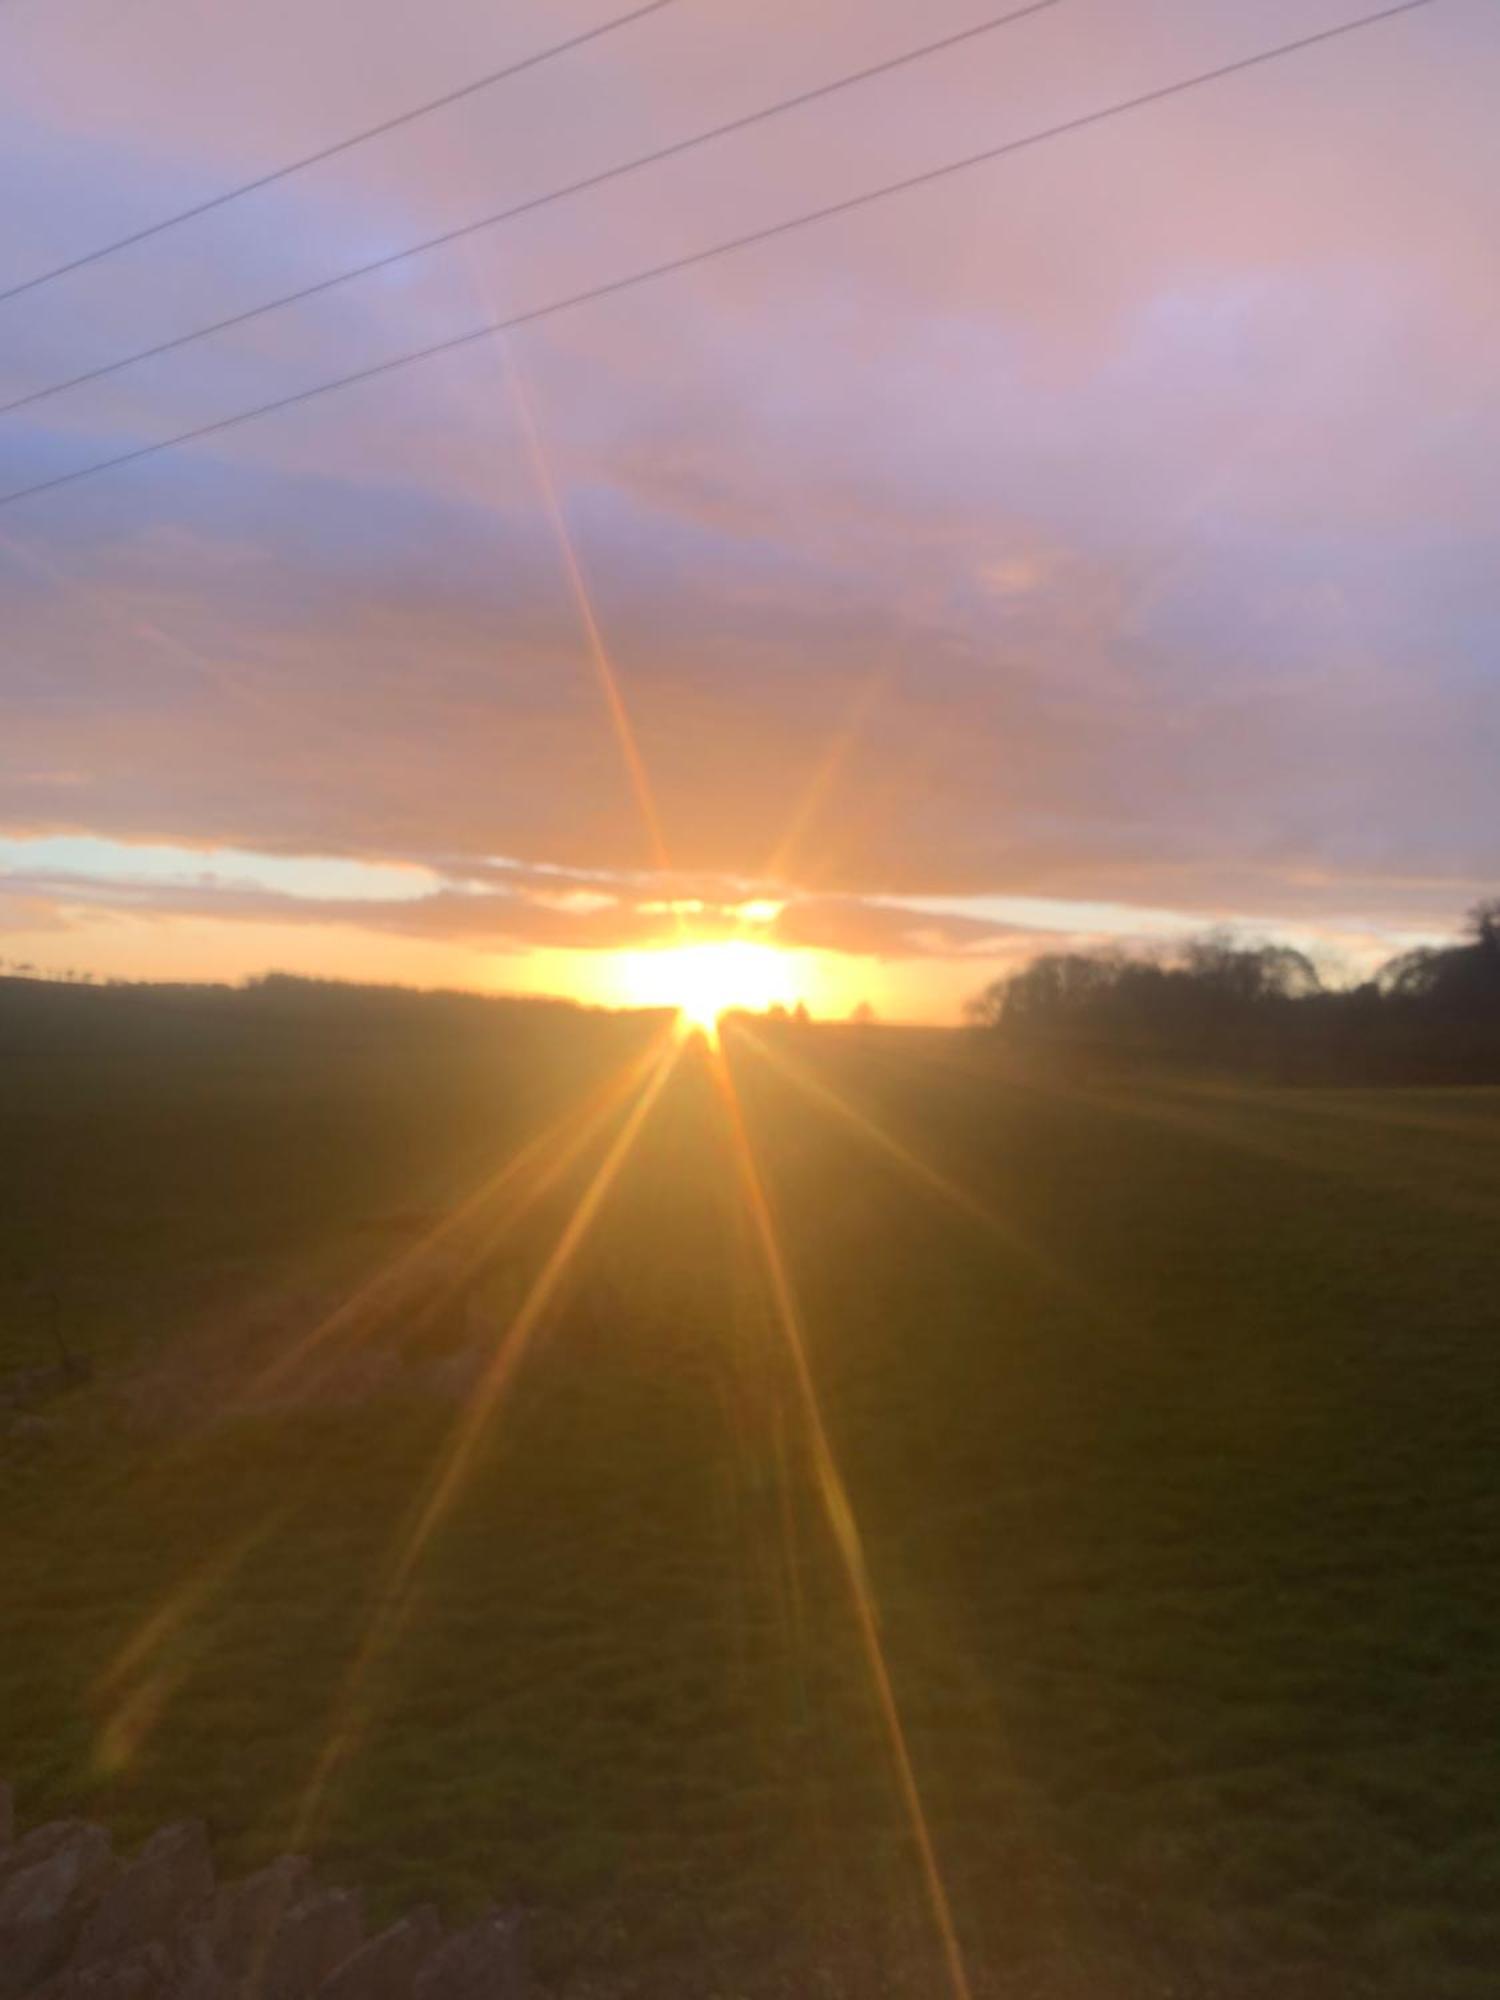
[{"x": 706, "y": 978}]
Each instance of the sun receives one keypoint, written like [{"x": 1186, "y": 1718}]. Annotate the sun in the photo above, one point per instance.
[{"x": 703, "y": 981}]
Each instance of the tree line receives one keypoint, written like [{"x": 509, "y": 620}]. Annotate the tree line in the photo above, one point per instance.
[{"x": 1429, "y": 1016}]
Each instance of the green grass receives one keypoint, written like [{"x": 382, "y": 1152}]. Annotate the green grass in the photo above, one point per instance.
[{"x": 1177, "y": 1479}]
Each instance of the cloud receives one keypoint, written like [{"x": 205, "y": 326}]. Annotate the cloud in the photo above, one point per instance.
[
  {"x": 884, "y": 930},
  {"x": 24, "y": 914},
  {"x": 1116, "y": 526},
  {"x": 513, "y": 910}
]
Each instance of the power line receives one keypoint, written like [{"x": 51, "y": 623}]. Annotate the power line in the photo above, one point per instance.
[
  {"x": 339, "y": 146},
  {"x": 848, "y": 205},
  {"x": 529, "y": 206}
]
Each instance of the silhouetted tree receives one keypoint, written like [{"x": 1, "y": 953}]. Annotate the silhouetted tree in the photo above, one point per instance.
[{"x": 1433, "y": 1013}]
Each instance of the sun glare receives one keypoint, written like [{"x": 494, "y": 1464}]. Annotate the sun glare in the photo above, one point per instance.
[{"x": 703, "y": 981}]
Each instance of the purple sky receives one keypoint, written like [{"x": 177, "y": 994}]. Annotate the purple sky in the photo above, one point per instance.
[{"x": 1097, "y": 542}]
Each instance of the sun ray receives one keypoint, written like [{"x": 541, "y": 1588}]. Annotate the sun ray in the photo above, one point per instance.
[
  {"x": 1190, "y": 1106},
  {"x": 1191, "y": 1110},
  {"x": 828, "y": 770},
  {"x": 511, "y": 1348},
  {"x": 148, "y": 1670},
  {"x": 605, "y": 671},
  {"x": 394, "y": 1601},
  {"x": 841, "y": 1520},
  {"x": 911, "y": 1163},
  {"x": 512, "y": 1189}
]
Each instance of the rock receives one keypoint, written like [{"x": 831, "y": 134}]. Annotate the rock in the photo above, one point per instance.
[
  {"x": 194, "y": 1974},
  {"x": 38, "y": 1845},
  {"x": 244, "y": 1917},
  {"x": 386, "y": 1967},
  {"x": 43, "y": 1905},
  {"x": 314, "y": 1938},
  {"x": 179, "y": 1970},
  {"x": 142, "y": 1974},
  {"x": 40, "y": 1842},
  {"x": 7, "y": 1819},
  {"x": 172, "y": 1875},
  {"x": 481, "y": 1963}
]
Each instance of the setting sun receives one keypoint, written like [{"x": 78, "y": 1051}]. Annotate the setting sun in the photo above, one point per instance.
[{"x": 703, "y": 981}]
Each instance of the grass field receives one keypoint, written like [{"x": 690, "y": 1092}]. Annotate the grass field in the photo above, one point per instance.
[{"x": 1169, "y": 1416}]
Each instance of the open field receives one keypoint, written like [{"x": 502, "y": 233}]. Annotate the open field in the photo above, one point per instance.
[{"x": 1168, "y": 1414}]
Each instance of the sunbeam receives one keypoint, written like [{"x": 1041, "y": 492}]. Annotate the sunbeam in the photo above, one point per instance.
[
  {"x": 134, "y": 1689},
  {"x": 827, "y": 773},
  {"x": 1044, "y": 1267},
  {"x": 841, "y": 1518},
  {"x": 514, "y": 1188},
  {"x": 1215, "y": 1113},
  {"x": 604, "y": 666},
  {"x": 394, "y": 1601}
]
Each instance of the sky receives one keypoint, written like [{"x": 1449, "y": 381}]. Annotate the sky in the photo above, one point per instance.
[{"x": 1097, "y": 543}]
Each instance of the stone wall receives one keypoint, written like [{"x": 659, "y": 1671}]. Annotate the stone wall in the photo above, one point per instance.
[{"x": 79, "y": 1922}]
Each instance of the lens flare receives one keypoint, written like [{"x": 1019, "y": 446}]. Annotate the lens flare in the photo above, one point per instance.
[
  {"x": 394, "y": 1604},
  {"x": 842, "y": 1523},
  {"x": 1044, "y": 1266}
]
